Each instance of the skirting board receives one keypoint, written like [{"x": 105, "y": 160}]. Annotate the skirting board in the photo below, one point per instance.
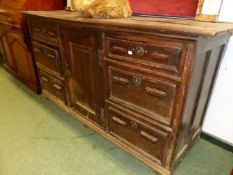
[{"x": 216, "y": 141}]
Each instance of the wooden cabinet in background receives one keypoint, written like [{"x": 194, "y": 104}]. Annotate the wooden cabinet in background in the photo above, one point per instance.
[
  {"x": 142, "y": 83},
  {"x": 18, "y": 59},
  {"x": 14, "y": 37}
]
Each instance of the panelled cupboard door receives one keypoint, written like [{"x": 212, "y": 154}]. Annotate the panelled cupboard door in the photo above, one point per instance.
[
  {"x": 18, "y": 58},
  {"x": 1, "y": 46},
  {"x": 82, "y": 72},
  {"x": 9, "y": 59}
]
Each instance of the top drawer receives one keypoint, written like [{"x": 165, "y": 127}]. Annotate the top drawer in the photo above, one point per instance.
[
  {"x": 11, "y": 18},
  {"x": 148, "y": 51},
  {"x": 45, "y": 31}
]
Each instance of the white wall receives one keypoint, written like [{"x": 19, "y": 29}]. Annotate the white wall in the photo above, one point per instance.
[
  {"x": 219, "y": 117},
  {"x": 226, "y": 13}
]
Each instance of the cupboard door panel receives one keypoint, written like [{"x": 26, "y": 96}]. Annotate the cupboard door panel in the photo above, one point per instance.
[
  {"x": 17, "y": 56},
  {"x": 1, "y": 46},
  {"x": 9, "y": 60},
  {"x": 80, "y": 55}
]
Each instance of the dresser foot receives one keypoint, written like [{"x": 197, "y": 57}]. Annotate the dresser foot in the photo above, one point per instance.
[{"x": 156, "y": 173}]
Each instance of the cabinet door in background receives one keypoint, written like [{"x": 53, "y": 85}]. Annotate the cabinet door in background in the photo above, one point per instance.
[{"x": 18, "y": 58}]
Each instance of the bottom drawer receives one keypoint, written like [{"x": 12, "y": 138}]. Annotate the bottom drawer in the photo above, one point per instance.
[
  {"x": 52, "y": 85},
  {"x": 148, "y": 140}
]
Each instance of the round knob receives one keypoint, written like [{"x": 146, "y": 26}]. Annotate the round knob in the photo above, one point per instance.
[
  {"x": 134, "y": 125},
  {"x": 140, "y": 51},
  {"x": 137, "y": 80}
]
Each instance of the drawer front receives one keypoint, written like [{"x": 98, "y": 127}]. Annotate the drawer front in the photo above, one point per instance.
[
  {"x": 58, "y": 89},
  {"x": 150, "y": 141},
  {"x": 52, "y": 85},
  {"x": 43, "y": 30},
  {"x": 152, "y": 97},
  {"x": 45, "y": 81},
  {"x": 48, "y": 57},
  {"x": 149, "y": 52},
  {"x": 11, "y": 18}
]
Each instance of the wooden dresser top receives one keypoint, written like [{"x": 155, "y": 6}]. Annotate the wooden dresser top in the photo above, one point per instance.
[{"x": 165, "y": 25}]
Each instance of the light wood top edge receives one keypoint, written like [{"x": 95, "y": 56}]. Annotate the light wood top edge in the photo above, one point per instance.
[{"x": 183, "y": 26}]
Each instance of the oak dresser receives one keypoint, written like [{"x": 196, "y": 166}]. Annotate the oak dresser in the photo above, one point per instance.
[{"x": 143, "y": 83}]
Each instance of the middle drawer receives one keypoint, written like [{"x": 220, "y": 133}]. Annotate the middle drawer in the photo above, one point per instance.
[
  {"x": 47, "y": 57},
  {"x": 150, "y": 96}
]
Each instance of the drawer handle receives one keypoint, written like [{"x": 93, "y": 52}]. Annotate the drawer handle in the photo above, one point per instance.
[
  {"x": 43, "y": 30},
  {"x": 139, "y": 51},
  {"x": 120, "y": 49},
  {"x": 137, "y": 80},
  {"x": 134, "y": 125},
  {"x": 122, "y": 81},
  {"x": 44, "y": 79},
  {"x": 37, "y": 29},
  {"x": 51, "y": 34},
  {"x": 148, "y": 136},
  {"x": 160, "y": 56},
  {"x": 155, "y": 92},
  {"x": 38, "y": 50},
  {"x": 51, "y": 56},
  {"x": 11, "y": 20},
  {"x": 57, "y": 87},
  {"x": 116, "y": 119}
]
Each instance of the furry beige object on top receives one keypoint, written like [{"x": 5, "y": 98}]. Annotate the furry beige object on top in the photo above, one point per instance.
[{"x": 102, "y": 8}]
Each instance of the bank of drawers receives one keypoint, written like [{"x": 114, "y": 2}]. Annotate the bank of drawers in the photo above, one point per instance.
[
  {"x": 136, "y": 98},
  {"x": 48, "y": 59}
]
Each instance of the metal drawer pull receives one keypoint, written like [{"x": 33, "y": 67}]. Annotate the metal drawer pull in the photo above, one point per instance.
[
  {"x": 155, "y": 92},
  {"x": 57, "y": 87},
  {"x": 137, "y": 80},
  {"x": 120, "y": 49},
  {"x": 43, "y": 30},
  {"x": 37, "y": 29},
  {"x": 44, "y": 79},
  {"x": 160, "y": 56},
  {"x": 140, "y": 51},
  {"x": 51, "y": 34},
  {"x": 148, "y": 136},
  {"x": 119, "y": 80},
  {"x": 116, "y": 119},
  {"x": 11, "y": 20},
  {"x": 38, "y": 50},
  {"x": 51, "y": 56}
]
